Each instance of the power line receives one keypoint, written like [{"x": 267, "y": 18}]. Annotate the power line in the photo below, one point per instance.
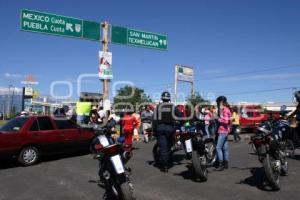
[
  {"x": 249, "y": 72},
  {"x": 159, "y": 85},
  {"x": 260, "y": 91}
]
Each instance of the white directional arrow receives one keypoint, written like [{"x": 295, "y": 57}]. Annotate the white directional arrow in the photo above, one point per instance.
[
  {"x": 69, "y": 27},
  {"x": 77, "y": 28},
  {"x": 160, "y": 41}
]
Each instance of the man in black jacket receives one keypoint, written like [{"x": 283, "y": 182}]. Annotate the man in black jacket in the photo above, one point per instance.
[{"x": 164, "y": 118}]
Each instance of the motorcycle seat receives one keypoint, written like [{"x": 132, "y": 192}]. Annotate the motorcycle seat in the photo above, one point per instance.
[{"x": 209, "y": 140}]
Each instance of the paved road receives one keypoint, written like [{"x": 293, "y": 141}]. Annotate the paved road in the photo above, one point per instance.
[{"x": 74, "y": 177}]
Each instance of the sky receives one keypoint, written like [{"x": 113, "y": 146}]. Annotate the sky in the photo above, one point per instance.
[{"x": 228, "y": 43}]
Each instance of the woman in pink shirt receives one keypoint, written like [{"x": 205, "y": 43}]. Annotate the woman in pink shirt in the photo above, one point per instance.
[{"x": 223, "y": 131}]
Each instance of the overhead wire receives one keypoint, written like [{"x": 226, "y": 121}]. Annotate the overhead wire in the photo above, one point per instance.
[
  {"x": 260, "y": 91},
  {"x": 225, "y": 75}
]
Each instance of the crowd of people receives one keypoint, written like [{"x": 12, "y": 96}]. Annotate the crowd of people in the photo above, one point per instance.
[{"x": 215, "y": 122}]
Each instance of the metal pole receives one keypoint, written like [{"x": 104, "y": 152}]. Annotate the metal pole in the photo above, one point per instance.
[
  {"x": 193, "y": 88},
  {"x": 3, "y": 109},
  {"x": 105, "y": 28},
  {"x": 12, "y": 100},
  {"x": 8, "y": 101},
  {"x": 175, "y": 86},
  {"x": 23, "y": 99}
]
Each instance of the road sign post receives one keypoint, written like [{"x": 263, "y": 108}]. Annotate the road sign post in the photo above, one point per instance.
[{"x": 105, "y": 31}]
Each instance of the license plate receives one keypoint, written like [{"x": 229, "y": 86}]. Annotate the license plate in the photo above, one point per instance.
[
  {"x": 188, "y": 146},
  {"x": 118, "y": 164},
  {"x": 103, "y": 140}
]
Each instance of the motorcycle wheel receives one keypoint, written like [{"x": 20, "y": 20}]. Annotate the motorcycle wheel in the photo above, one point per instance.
[
  {"x": 253, "y": 148},
  {"x": 156, "y": 155},
  {"x": 211, "y": 152},
  {"x": 271, "y": 174},
  {"x": 126, "y": 191},
  {"x": 199, "y": 163},
  {"x": 289, "y": 148}
]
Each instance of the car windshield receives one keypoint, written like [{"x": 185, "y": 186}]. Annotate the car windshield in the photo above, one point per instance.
[{"x": 14, "y": 125}]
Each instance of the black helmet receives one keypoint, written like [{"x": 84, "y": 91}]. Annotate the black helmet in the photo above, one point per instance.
[
  {"x": 166, "y": 96},
  {"x": 297, "y": 95},
  {"x": 221, "y": 99}
]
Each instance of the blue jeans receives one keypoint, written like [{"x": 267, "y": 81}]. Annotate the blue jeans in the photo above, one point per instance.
[
  {"x": 165, "y": 138},
  {"x": 207, "y": 130},
  {"x": 213, "y": 128},
  {"x": 222, "y": 148}
]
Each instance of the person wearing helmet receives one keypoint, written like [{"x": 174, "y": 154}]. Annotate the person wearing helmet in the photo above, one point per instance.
[
  {"x": 224, "y": 114},
  {"x": 163, "y": 126},
  {"x": 296, "y": 114}
]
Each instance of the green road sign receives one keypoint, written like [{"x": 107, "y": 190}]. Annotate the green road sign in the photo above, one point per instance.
[
  {"x": 41, "y": 22},
  {"x": 122, "y": 35}
]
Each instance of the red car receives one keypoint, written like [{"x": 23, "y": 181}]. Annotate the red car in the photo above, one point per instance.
[
  {"x": 27, "y": 138},
  {"x": 251, "y": 116}
]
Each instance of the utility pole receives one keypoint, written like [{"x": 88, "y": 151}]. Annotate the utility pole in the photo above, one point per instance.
[
  {"x": 3, "y": 110},
  {"x": 12, "y": 100},
  {"x": 193, "y": 89},
  {"x": 105, "y": 41},
  {"x": 175, "y": 85},
  {"x": 23, "y": 99}
]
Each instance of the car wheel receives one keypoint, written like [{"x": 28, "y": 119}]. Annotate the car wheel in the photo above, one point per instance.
[{"x": 28, "y": 156}]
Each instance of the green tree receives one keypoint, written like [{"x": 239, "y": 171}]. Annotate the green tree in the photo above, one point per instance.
[
  {"x": 130, "y": 98},
  {"x": 197, "y": 99}
]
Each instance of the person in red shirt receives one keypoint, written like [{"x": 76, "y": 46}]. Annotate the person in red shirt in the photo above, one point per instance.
[
  {"x": 129, "y": 123},
  {"x": 136, "y": 134}
]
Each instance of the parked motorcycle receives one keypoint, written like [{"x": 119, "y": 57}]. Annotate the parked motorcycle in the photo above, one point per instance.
[
  {"x": 271, "y": 153},
  {"x": 283, "y": 130},
  {"x": 201, "y": 150},
  {"x": 112, "y": 170}
]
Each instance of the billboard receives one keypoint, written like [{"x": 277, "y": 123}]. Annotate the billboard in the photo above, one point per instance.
[
  {"x": 105, "y": 65},
  {"x": 28, "y": 92},
  {"x": 184, "y": 73}
]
